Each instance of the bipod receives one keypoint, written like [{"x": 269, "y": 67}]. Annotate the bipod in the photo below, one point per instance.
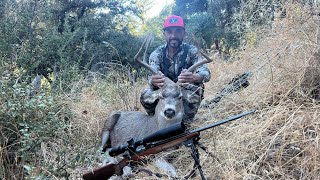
[{"x": 192, "y": 143}]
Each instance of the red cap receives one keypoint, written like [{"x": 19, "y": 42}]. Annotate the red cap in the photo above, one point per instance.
[{"x": 173, "y": 21}]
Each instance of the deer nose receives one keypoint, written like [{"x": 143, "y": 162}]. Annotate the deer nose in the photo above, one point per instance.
[{"x": 169, "y": 113}]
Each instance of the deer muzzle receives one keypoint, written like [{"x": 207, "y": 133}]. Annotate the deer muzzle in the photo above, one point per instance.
[{"x": 169, "y": 113}]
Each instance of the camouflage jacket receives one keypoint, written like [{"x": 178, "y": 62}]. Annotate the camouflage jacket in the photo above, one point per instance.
[{"x": 156, "y": 61}]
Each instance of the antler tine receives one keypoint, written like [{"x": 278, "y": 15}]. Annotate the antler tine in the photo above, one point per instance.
[
  {"x": 140, "y": 50},
  {"x": 137, "y": 57},
  {"x": 148, "y": 40},
  {"x": 207, "y": 60}
]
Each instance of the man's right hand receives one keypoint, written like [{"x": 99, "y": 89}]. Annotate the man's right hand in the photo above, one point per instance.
[{"x": 157, "y": 80}]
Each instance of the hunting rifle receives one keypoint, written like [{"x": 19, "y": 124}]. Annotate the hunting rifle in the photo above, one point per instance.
[{"x": 159, "y": 141}]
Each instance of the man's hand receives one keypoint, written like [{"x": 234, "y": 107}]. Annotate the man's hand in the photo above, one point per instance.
[
  {"x": 189, "y": 77},
  {"x": 157, "y": 80}
]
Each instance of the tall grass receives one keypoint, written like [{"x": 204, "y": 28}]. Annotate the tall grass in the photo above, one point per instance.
[{"x": 280, "y": 141}]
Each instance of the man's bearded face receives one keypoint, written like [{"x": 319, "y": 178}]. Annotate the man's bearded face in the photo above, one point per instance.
[{"x": 174, "y": 36}]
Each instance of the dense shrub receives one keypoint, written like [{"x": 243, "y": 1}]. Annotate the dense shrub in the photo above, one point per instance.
[{"x": 27, "y": 120}]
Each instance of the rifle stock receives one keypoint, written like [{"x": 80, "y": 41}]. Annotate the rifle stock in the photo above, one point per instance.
[
  {"x": 106, "y": 171},
  {"x": 111, "y": 169}
]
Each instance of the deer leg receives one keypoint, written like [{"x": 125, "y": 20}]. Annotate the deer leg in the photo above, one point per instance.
[
  {"x": 107, "y": 128},
  {"x": 110, "y": 160},
  {"x": 104, "y": 139},
  {"x": 127, "y": 172},
  {"x": 166, "y": 167}
]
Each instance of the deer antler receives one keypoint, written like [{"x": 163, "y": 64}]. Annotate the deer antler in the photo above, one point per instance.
[
  {"x": 137, "y": 57},
  {"x": 207, "y": 60},
  {"x": 146, "y": 43}
]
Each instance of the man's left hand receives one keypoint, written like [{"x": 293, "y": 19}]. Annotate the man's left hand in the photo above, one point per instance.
[{"x": 189, "y": 77}]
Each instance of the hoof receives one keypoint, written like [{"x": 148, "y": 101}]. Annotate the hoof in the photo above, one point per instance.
[
  {"x": 166, "y": 167},
  {"x": 127, "y": 172}
]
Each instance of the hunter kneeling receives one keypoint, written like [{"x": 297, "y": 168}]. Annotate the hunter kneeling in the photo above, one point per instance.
[{"x": 171, "y": 60}]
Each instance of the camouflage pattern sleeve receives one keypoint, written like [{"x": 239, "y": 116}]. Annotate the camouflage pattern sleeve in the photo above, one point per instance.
[
  {"x": 154, "y": 59},
  {"x": 154, "y": 62},
  {"x": 202, "y": 70}
]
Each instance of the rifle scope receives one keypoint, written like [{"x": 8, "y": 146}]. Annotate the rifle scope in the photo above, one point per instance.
[{"x": 162, "y": 134}]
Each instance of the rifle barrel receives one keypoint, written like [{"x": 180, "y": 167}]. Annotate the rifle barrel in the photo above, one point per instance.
[{"x": 223, "y": 121}]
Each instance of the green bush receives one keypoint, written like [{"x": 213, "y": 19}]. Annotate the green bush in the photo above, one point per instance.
[{"x": 26, "y": 121}]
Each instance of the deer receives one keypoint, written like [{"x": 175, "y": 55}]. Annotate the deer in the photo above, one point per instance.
[{"x": 121, "y": 126}]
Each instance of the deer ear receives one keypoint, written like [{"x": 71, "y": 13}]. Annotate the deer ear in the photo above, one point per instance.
[
  {"x": 151, "y": 97},
  {"x": 193, "y": 98}
]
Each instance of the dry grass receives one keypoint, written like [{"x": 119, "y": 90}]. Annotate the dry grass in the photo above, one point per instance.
[
  {"x": 280, "y": 141},
  {"x": 90, "y": 108}
]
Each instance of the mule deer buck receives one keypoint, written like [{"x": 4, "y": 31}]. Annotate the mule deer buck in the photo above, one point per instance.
[{"x": 121, "y": 126}]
